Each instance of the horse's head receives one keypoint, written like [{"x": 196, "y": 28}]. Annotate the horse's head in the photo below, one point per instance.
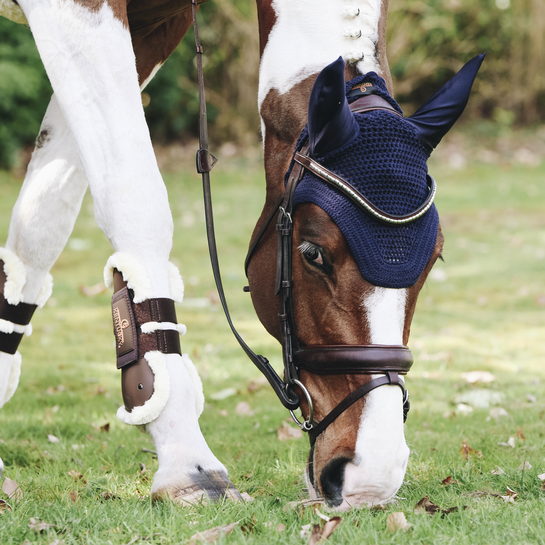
[{"x": 365, "y": 236}]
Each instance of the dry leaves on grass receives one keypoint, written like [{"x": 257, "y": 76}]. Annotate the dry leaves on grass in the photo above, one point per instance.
[
  {"x": 510, "y": 443},
  {"x": 397, "y": 521},
  {"x": 525, "y": 465},
  {"x": 53, "y": 439},
  {"x": 5, "y": 506},
  {"x": 303, "y": 506},
  {"x": 77, "y": 476},
  {"x": 520, "y": 434},
  {"x": 510, "y": 496},
  {"x": 449, "y": 480},
  {"x": 39, "y": 527},
  {"x": 244, "y": 409},
  {"x": 321, "y": 532},
  {"x": 287, "y": 432},
  {"x": 466, "y": 451},
  {"x": 426, "y": 506},
  {"x": 498, "y": 471},
  {"x": 478, "y": 376},
  {"x": 213, "y": 534},
  {"x": 12, "y": 490}
]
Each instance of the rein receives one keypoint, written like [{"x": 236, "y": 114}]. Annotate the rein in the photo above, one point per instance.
[{"x": 390, "y": 361}]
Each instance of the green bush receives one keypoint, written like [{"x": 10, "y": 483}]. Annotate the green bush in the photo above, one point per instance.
[{"x": 24, "y": 90}]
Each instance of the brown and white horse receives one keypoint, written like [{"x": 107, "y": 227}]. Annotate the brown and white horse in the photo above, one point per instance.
[{"x": 98, "y": 56}]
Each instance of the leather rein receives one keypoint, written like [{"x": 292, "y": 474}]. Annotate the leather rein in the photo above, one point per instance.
[{"x": 390, "y": 361}]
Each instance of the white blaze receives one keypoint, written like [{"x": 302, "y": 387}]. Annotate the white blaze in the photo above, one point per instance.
[{"x": 381, "y": 452}]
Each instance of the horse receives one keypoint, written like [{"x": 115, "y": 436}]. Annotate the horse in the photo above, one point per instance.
[{"x": 98, "y": 57}]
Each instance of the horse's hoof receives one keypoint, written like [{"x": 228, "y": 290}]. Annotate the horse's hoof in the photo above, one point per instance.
[{"x": 206, "y": 487}]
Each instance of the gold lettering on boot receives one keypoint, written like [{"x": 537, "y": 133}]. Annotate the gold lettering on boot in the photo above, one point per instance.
[{"x": 119, "y": 326}]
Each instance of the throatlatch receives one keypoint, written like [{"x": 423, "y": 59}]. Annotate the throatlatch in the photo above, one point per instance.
[{"x": 145, "y": 330}]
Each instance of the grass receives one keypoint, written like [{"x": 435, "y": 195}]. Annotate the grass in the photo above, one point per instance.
[{"x": 482, "y": 309}]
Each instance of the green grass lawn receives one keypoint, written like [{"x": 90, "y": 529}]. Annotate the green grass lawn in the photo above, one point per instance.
[{"x": 482, "y": 309}]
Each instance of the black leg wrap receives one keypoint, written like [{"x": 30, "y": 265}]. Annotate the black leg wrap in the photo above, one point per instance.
[{"x": 16, "y": 314}]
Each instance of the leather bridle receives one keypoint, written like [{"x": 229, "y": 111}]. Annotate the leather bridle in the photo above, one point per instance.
[{"x": 389, "y": 361}]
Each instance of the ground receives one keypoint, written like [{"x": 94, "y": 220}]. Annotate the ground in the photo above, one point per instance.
[{"x": 483, "y": 309}]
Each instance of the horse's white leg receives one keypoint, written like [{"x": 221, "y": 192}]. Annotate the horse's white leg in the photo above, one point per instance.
[
  {"x": 41, "y": 223},
  {"x": 90, "y": 62}
]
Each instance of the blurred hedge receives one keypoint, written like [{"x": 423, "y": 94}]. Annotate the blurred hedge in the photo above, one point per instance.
[{"x": 427, "y": 43}]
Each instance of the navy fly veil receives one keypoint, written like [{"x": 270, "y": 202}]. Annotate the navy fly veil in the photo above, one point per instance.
[{"x": 384, "y": 157}]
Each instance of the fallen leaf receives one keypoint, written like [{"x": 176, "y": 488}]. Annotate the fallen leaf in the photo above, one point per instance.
[
  {"x": 93, "y": 291},
  {"x": 520, "y": 434},
  {"x": 478, "y": 376},
  {"x": 281, "y": 527},
  {"x": 303, "y": 506},
  {"x": 425, "y": 505},
  {"x": 246, "y": 497},
  {"x": 525, "y": 465},
  {"x": 223, "y": 394},
  {"x": 253, "y": 386},
  {"x": 464, "y": 409},
  {"x": 541, "y": 477},
  {"x": 53, "y": 439},
  {"x": 223, "y": 412},
  {"x": 449, "y": 480},
  {"x": 305, "y": 531},
  {"x": 12, "y": 489},
  {"x": 287, "y": 432},
  {"x": 498, "y": 471},
  {"x": 244, "y": 409},
  {"x": 321, "y": 533},
  {"x": 105, "y": 427},
  {"x": 397, "y": 521},
  {"x": 39, "y": 527},
  {"x": 531, "y": 398},
  {"x": 73, "y": 496},
  {"x": 5, "y": 506},
  {"x": 480, "y": 398},
  {"x": 510, "y": 443},
  {"x": 511, "y": 492},
  {"x": 77, "y": 476},
  {"x": 213, "y": 534},
  {"x": 466, "y": 451},
  {"x": 498, "y": 412}
]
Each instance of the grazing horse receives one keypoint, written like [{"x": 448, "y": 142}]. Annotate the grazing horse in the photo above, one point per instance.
[
  {"x": 355, "y": 200},
  {"x": 355, "y": 204}
]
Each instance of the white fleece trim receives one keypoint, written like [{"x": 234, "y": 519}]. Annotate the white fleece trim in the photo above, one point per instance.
[
  {"x": 156, "y": 403},
  {"x": 45, "y": 291},
  {"x": 13, "y": 380},
  {"x": 10, "y": 327},
  {"x": 175, "y": 283},
  {"x": 133, "y": 274},
  {"x": 197, "y": 383},
  {"x": 150, "y": 327},
  {"x": 16, "y": 277},
  {"x": 6, "y": 327},
  {"x": 182, "y": 329}
]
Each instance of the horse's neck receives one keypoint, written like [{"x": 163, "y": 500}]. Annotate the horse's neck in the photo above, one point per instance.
[{"x": 298, "y": 39}]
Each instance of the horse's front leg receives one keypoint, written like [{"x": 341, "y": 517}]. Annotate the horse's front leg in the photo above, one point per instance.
[{"x": 90, "y": 62}]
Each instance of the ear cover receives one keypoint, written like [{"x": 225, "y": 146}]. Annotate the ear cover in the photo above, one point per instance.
[
  {"x": 331, "y": 124},
  {"x": 437, "y": 115}
]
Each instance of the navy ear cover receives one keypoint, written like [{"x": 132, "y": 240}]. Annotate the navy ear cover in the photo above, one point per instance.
[
  {"x": 331, "y": 124},
  {"x": 437, "y": 115}
]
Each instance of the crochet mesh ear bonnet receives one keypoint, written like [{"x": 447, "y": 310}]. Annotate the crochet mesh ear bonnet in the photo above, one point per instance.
[{"x": 384, "y": 157}]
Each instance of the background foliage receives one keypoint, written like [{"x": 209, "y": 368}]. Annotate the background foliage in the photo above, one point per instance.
[{"x": 428, "y": 42}]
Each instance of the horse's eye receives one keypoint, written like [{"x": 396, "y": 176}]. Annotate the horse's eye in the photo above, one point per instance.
[{"x": 312, "y": 254}]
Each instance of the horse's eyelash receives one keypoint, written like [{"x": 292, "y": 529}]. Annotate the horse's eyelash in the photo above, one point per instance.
[{"x": 305, "y": 247}]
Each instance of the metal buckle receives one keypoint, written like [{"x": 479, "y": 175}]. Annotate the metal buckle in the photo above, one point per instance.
[
  {"x": 406, "y": 405},
  {"x": 307, "y": 424},
  {"x": 286, "y": 214}
]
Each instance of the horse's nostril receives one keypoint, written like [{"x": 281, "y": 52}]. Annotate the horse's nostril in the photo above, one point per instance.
[{"x": 332, "y": 480}]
